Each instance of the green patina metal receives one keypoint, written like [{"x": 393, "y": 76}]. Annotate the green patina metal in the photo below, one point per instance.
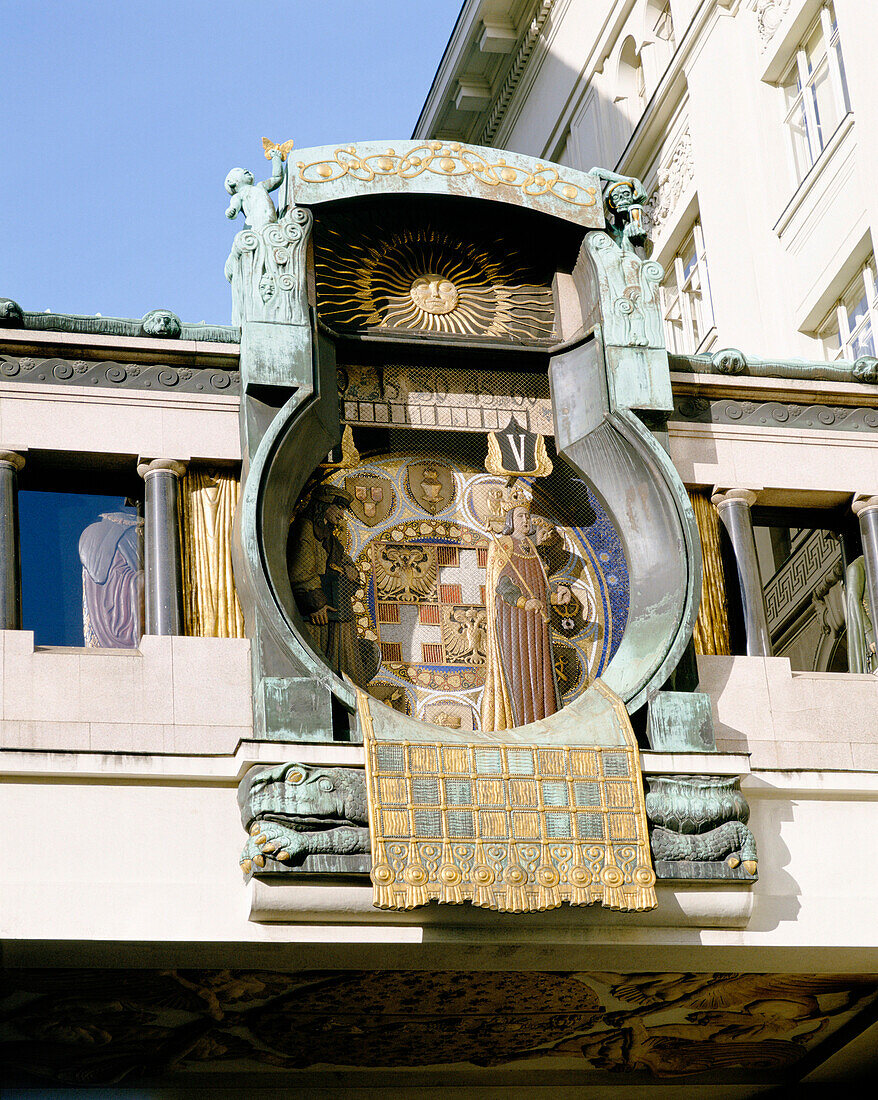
[
  {"x": 698, "y": 828},
  {"x": 681, "y": 721},
  {"x": 331, "y": 172},
  {"x": 290, "y": 419},
  {"x": 730, "y": 361},
  {"x": 157, "y": 324}
]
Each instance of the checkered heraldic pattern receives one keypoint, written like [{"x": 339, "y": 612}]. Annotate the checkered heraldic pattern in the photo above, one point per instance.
[{"x": 507, "y": 828}]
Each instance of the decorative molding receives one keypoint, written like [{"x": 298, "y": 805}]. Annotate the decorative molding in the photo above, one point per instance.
[
  {"x": 730, "y": 361},
  {"x": 12, "y": 459},
  {"x": 150, "y": 1030},
  {"x": 266, "y": 268},
  {"x": 776, "y": 414},
  {"x": 770, "y": 15},
  {"x": 157, "y": 324},
  {"x": 795, "y": 581},
  {"x": 451, "y": 159},
  {"x": 444, "y": 399},
  {"x": 108, "y": 374},
  {"x": 147, "y": 466},
  {"x": 519, "y": 63},
  {"x": 674, "y": 176},
  {"x": 722, "y": 496}
]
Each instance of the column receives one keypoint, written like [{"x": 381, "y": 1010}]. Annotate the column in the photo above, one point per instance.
[
  {"x": 162, "y": 564},
  {"x": 865, "y": 508},
  {"x": 734, "y": 506},
  {"x": 10, "y": 565}
]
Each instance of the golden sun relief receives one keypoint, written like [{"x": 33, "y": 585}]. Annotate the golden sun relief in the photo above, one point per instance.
[{"x": 429, "y": 280}]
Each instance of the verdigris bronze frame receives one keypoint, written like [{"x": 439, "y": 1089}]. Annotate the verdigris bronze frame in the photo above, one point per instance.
[{"x": 610, "y": 367}]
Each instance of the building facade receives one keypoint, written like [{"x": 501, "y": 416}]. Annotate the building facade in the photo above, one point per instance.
[
  {"x": 748, "y": 127},
  {"x": 459, "y": 671}
]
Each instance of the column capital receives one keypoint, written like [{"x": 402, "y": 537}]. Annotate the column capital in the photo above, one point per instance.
[
  {"x": 146, "y": 466},
  {"x": 13, "y": 459},
  {"x": 721, "y": 495},
  {"x": 864, "y": 502}
]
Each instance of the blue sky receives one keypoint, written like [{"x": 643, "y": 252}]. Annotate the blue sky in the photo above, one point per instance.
[{"x": 122, "y": 118}]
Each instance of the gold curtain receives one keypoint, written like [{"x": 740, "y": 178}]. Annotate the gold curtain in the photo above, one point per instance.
[
  {"x": 711, "y": 633},
  {"x": 208, "y": 499}
]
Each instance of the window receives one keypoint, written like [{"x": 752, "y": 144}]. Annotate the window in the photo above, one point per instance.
[
  {"x": 816, "y": 91},
  {"x": 685, "y": 296},
  {"x": 849, "y": 331},
  {"x": 81, "y": 569},
  {"x": 631, "y": 81}
]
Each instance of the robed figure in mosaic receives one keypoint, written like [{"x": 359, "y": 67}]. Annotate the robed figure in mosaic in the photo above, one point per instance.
[
  {"x": 520, "y": 681},
  {"x": 324, "y": 580}
]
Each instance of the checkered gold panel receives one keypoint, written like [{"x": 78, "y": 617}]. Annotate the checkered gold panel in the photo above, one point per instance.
[{"x": 507, "y": 827}]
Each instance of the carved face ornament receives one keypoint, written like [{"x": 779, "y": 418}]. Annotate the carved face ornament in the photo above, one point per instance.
[{"x": 433, "y": 294}]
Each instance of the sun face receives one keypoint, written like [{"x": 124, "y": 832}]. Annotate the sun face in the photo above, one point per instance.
[
  {"x": 426, "y": 280},
  {"x": 433, "y": 294}
]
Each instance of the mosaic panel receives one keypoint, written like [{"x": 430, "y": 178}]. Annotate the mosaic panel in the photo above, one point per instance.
[{"x": 398, "y": 561}]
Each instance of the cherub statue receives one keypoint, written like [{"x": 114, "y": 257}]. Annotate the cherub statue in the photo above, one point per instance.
[
  {"x": 252, "y": 198},
  {"x": 624, "y": 200}
]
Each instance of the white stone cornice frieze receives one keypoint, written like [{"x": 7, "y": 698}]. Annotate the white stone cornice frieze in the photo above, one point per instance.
[{"x": 519, "y": 64}]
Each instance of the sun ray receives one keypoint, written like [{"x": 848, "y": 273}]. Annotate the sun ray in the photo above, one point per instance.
[{"x": 423, "y": 279}]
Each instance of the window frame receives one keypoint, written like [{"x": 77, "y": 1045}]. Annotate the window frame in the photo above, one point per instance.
[
  {"x": 837, "y": 324},
  {"x": 692, "y": 246},
  {"x": 809, "y": 139}
]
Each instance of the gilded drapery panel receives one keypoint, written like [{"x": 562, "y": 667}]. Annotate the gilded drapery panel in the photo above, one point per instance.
[
  {"x": 711, "y": 632},
  {"x": 208, "y": 498}
]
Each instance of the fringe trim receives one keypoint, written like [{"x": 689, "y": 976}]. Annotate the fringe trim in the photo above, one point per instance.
[{"x": 614, "y": 898}]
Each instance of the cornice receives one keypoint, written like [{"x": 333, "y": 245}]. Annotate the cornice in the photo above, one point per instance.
[
  {"x": 461, "y": 38},
  {"x": 520, "y": 60},
  {"x": 806, "y": 391},
  {"x": 132, "y": 349},
  {"x": 115, "y": 375},
  {"x": 462, "y": 45}
]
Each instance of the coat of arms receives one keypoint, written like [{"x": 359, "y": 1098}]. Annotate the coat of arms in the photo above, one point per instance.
[
  {"x": 372, "y": 498},
  {"x": 431, "y": 485}
]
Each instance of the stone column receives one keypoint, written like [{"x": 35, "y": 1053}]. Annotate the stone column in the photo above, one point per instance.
[
  {"x": 734, "y": 506},
  {"x": 10, "y": 564},
  {"x": 865, "y": 508},
  {"x": 162, "y": 564}
]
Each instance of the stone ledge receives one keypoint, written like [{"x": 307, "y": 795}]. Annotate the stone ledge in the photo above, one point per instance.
[{"x": 304, "y": 901}]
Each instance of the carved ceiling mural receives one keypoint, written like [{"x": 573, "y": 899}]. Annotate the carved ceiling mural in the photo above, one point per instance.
[{"x": 106, "y": 1027}]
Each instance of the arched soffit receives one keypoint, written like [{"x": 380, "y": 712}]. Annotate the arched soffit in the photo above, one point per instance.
[
  {"x": 626, "y": 69},
  {"x": 328, "y": 173}
]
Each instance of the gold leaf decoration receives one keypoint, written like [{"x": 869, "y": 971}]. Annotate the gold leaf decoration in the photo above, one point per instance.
[
  {"x": 455, "y": 160},
  {"x": 427, "y": 280},
  {"x": 208, "y": 500},
  {"x": 711, "y": 633}
]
